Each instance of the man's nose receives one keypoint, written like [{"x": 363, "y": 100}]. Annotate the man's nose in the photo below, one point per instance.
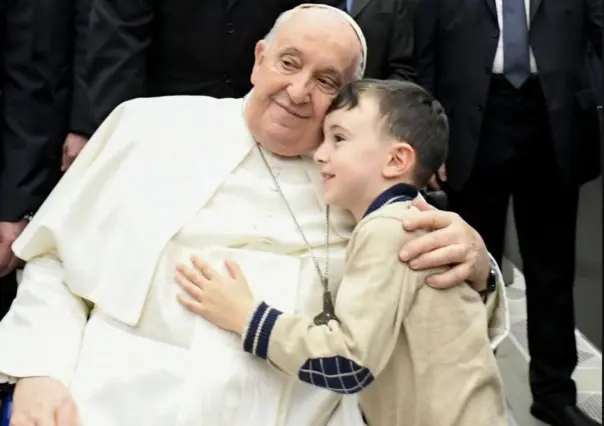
[{"x": 299, "y": 89}]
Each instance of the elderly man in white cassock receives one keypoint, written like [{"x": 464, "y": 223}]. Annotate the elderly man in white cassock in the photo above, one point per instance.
[{"x": 97, "y": 336}]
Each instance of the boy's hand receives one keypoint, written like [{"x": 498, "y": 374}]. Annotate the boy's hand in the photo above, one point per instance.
[{"x": 225, "y": 301}]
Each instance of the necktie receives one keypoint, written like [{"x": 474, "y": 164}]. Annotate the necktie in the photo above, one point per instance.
[
  {"x": 516, "y": 51},
  {"x": 348, "y": 5}
]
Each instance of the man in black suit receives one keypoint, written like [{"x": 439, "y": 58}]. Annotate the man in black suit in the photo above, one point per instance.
[
  {"x": 42, "y": 100},
  {"x": 388, "y": 28},
  {"x": 140, "y": 48},
  {"x": 511, "y": 75}
]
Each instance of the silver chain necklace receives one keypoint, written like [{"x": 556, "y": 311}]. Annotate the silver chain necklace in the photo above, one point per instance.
[{"x": 328, "y": 312}]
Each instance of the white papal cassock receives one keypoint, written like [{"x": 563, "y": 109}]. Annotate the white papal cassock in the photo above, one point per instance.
[{"x": 161, "y": 180}]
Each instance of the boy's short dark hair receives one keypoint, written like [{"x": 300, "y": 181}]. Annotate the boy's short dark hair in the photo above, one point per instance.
[{"x": 411, "y": 114}]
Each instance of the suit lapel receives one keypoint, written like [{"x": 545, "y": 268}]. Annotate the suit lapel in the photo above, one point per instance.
[
  {"x": 230, "y": 4},
  {"x": 492, "y": 6},
  {"x": 534, "y": 8},
  {"x": 358, "y": 6}
]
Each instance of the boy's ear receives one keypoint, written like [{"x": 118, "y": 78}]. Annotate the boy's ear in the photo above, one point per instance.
[{"x": 401, "y": 161}]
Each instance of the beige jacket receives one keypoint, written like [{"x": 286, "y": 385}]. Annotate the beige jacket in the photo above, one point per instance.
[{"x": 418, "y": 356}]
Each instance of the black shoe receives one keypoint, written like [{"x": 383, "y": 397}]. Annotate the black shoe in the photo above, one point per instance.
[{"x": 569, "y": 415}]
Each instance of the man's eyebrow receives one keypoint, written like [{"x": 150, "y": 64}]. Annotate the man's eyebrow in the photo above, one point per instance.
[
  {"x": 333, "y": 72},
  {"x": 291, "y": 51}
]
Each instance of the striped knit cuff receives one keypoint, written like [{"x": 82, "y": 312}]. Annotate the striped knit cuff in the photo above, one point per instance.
[{"x": 259, "y": 330}]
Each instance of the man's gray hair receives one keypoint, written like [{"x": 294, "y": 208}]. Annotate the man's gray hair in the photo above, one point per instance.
[{"x": 362, "y": 55}]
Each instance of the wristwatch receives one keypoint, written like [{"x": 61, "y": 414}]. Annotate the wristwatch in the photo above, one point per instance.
[{"x": 491, "y": 286}]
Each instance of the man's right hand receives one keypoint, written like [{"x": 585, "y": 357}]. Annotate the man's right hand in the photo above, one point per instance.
[{"x": 43, "y": 401}]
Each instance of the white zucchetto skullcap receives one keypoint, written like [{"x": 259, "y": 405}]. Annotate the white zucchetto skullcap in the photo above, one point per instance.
[{"x": 351, "y": 22}]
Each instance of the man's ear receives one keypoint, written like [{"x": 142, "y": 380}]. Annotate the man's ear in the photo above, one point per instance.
[
  {"x": 401, "y": 160},
  {"x": 259, "y": 51}
]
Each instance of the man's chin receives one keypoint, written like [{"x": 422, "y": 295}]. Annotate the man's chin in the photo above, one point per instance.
[
  {"x": 284, "y": 150},
  {"x": 286, "y": 144}
]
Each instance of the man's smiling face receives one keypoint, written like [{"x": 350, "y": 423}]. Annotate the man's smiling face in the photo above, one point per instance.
[{"x": 297, "y": 73}]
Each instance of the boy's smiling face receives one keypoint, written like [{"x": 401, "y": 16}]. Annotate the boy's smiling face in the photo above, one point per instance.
[{"x": 358, "y": 158}]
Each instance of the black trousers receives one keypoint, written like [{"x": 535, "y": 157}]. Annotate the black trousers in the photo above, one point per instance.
[
  {"x": 8, "y": 291},
  {"x": 516, "y": 158}
]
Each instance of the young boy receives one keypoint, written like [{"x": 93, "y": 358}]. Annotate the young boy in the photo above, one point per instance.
[{"x": 418, "y": 356}]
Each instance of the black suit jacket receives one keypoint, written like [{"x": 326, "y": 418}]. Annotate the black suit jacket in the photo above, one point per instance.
[
  {"x": 141, "y": 48},
  {"x": 456, "y": 41},
  {"x": 388, "y": 28},
  {"x": 42, "y": 46}
]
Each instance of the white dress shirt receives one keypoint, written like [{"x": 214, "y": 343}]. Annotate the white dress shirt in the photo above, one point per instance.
[{"x": 498, "y": 62}]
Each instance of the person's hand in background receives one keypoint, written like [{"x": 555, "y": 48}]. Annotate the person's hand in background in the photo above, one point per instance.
[
  {"x": 442, "y": 175},
  {"x": 72, "y": 147}
]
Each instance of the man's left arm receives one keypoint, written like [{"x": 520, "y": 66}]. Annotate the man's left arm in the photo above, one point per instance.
[
  {"x": 400, "y": 51},
  {"x": 593, "y": 24},
  {"x": 454, "y": 243},
  {"x": 81, "y": 124}
]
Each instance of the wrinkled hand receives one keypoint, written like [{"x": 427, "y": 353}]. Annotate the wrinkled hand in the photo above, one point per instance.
[
  {"x": 450, "y": 242},
  {"x": 72, "y": 147},
  {"x": 442, "y": 175},
  {"x": 9, "y": 232},
  {"x": 225, "y": 301},
  {"x": 43, "y": 401}
]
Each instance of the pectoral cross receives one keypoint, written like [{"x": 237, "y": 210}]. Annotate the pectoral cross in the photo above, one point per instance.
[{"x": 328, "y": 313}]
